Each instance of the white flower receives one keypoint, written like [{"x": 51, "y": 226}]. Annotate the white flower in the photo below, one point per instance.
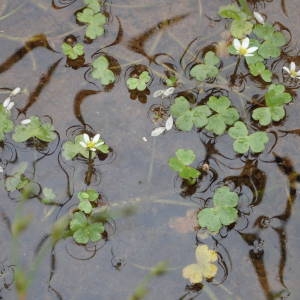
[
  {"x": 25, "y": 121},
  {"x": 8, "y": 104},
  {"x": 242, "y": 48},
  {"x": 15, "y": 91},
  {"x": 292, "y": 70},
  {"x": 258, "y": 17},
  {"x": 159, "y": 130},
  {"x": 1, "y": 169},
  {"x": 91, "y": 144},
  {"x": 164, "y": 93}
]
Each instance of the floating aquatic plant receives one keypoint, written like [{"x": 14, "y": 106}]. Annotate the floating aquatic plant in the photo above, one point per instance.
[
  {"x": 101, "y": 71},
  {"x": 139, "y": 82}
]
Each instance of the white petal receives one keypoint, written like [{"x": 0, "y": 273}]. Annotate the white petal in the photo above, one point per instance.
[
  {"x": 15, "y": 91},
  {"x": 298, "y": 73},
  {"x": 169, "y": 123},
  {"x": 99, "y": 144},
  {"x": 10, "y": 105},
  {"x": 1, "y": 169},
  {"x": 249, "y": 54},
  {"x": 245, "y": 43},
  {"x": 96, "y": 138},
  {"x": 169, "y": 91},
  {"x": 93, "y": 149},
  {"x": 259, "y": 18},
  {"x": 252, "y": 49},
  {"x": 292, "y": 66},
  {"x": 6, "y": 102},
  {"x": 286, "y": 69},
  {"x": 25, "y": 121},
  {"x": 158, "y": 93},
  {"x": 83, "y": 144},
  {"x": 86, "y": 138},
  {"x": 236, "y": 44},
  {"x": 158, "y": 131},
  {"x": 144, "y": 139}
]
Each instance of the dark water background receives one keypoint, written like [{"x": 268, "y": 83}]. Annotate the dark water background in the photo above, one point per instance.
[{"x": 258, "y": 257}]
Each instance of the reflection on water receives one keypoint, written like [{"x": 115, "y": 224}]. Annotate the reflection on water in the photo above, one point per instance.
[{"x": 256, "y": 256}]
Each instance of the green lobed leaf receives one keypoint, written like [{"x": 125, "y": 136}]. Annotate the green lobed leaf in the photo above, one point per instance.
[
  {"x": 48, "y": 194},
  {"x": 139, "y": 83},
  {"x": 223, "y": 197},
  {"x": 85, "y": 206},
  {"x": 175, "y": 164},
  {"x": 211, "y": 58},
  {"x": 101, "y": 71},
  {"x": 41, "y": 130},
  {"x": 276, "y": 95},
  {"x": 200, "y": 114},
  {"x": 218, "y": 104},
  {"x": 72, "y": 52},
  {"x": 6, "y": 124},
  {"x": 180, "y": 106},
  {"x": 72, "y": 149},
  {"x": 185, "y": 156},
  {"x": 78, "y": 221},
  {"x": 216, "y": 124},
  {"x": 263, "y": 115},
  {"x": 185, "y": 121},
  {"x": 95, "y": 231},
  {"x": 209, "y": 218},
  {"x": 232, "y": 11},
  {"x": 81, "y": 235},
  {"x": 238, "y": 130},
  {"x": 240, "y": 28},
  {"x": 93, "y": 4},
  {"x": 89, "y": 194},
  {"x": 257, "y": 141}
]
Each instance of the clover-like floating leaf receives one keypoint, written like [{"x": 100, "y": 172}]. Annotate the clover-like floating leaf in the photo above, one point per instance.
[
  {"x": 225, "y": 115},
  {"x": 17, "y": 180},
  {"x": 275, "y": 98},
  {"x": 240, "y": 26},
  {"x": 139, "y": 83},
  {"x": 180, "y": 163},
  {"x": 72, "y": 52},
  {"x": 83, "y": 231},
  {"x": 186, "y": 117},
  {"x": 223, "y": 212},
  {"x": 93, "y": 4},
  {"x": 243, "y": 142},
  {"x": 6, "y": 124},
  {"x": 273, "y": 40},
  {"x": 101, "y": 71},
  {"x": 89, "y": 194},
  {"x": 259, "y": 68},
  {"x": 208, "y": 69},
  {"x": 204, "y": 268},
  {"x": 43, "y": 131},
  {"x": 86, "y": 197},
  {"x": 94, "y": 20}
]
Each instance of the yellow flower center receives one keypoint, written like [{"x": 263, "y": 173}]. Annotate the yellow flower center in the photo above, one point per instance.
[
  {"x": 293, "y": 73},
  {"x": 243, "y": 51},
  {"x": 90, "y": 145}
]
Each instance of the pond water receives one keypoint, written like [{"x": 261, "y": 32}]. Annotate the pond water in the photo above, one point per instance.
[{"x": 257, "y": 255}]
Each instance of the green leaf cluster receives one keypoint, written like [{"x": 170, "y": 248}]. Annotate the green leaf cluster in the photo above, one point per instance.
[
  {"x": 83, "y": 230},
  {"x": 171, "y": 81},
  {"x": 272, "y": 40},
  {"x": 259, "y": 69},
  {"x": 72, "y": 52},
  {"x": 214, "y": 116},
  {"x": 275, "y": 98},
  {"x": 243, "y": 141},
  {"x": 43, "y": 131},
  {"x": 186, "y": 117},
  {"x": 17, "y": 181},
  {"x": 223, "y": 115},
  {"x": 139, "y": 83},
  {"x": 207, "y": 69},
  {"x": 72, "y": 149},
  {"x": 223, "y": 212},
  {"x": 180, "y": 163},
  {"x": 6, "y": 123},
  {"x": 102, "y": 72},
  {"x": 240, "y": 26},
  {"x": 86, "y": 199},
  {"x": 94, "y": 19}
]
